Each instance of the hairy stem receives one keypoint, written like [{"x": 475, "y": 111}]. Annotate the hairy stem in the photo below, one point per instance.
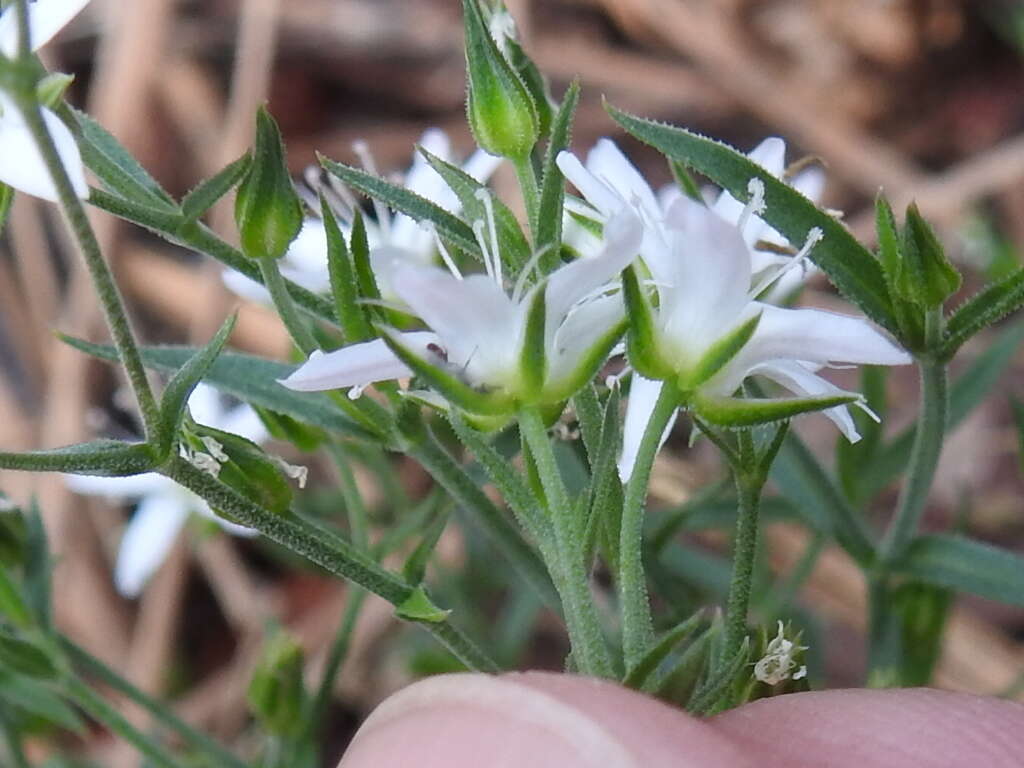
[
  {"x": 744, "y": 550},
  {"x": 285, "y": 306}
]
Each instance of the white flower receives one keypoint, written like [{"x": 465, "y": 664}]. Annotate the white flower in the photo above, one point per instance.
[
  {"x": 703, "y": 281},
  {"x": 390, "y": 236},
  {"x": 163, "y": 505},
  {"x": 478, "y": 330},
  {"x": 778, "y": 662},
  {"x": 21, "y": 165}
]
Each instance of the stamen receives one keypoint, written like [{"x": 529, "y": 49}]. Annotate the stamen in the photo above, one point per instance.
[
  {"x": 530, "y": 265},
  {"x": 478, "y": 233},
  {"x": 445, "y": 256},
  {"x": 863, "y": 405},
  {"x": 814, "y": 236},
  {"x": 362, "y": 151},
  {"x": 356, "y": 392},
  {"x": 485, "y": 197},
  {"x": 755, "y": 205}
]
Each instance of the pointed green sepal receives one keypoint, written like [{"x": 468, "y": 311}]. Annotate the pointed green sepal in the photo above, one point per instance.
[
  {"x": 533, "y": 359},
  {"x": 205, "y": 195},
  {"x": 889, "y": 247},
  {"x": 419, "y": 607},
  {"x": 181, "y": 386},
  {"x": 642, "y": 342},
  {"x": 352, "y": 316},
  {"x": 267, "y": 208},
  {"x": 528, "y": 72},
  {"x": 926, "y": 277},
  {"x": 548, "y": 237},
  {"x": 457, "y": 392},
  {"x": 501, "y": 110},
  {"x": 746, "y": 412},
  {"x": 720, "y": 353}
]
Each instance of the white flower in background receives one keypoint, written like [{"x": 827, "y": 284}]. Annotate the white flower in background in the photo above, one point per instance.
[
  {"x": 163, "y": 505},
  {"x": 703, "y": 282},
  {"x": 391, "y": 235},
  {"x": 478, "y": 330},
  {"x": 778, "y": 662},
  {"x": 21, "y": 165}
]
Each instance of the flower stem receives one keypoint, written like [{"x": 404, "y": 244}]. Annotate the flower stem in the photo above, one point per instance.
[
  {"x": 285, "y": 306},
  {"x": 590, "y": 652},
  {"x": 744, "y": 549},
  {"x": 924, "y": 456},
  {"x": 531, "y": 195},
  {"x": 99, "y": 271},
  {"x": 637, "y": 625}
]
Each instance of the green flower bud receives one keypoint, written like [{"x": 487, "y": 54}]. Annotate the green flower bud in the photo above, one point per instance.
[
  {"x": 502, "y": 112},
  {"x": 267, "y": 209},
  {"x": 276, "y": 694},
  {"x": 926, "y": 277}
]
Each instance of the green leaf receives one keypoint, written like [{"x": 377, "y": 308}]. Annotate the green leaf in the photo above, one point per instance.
[
  {"x": 605, "y": 521},
  {"x": 639, "y": 675},
  {"x": 344, "y": 287},
  {"x": 949, "y": 560},
  {"x": 687, "y": 184},
  {"x": 249, "y": 378},
  {"x": 25, "y": 657},
  {"x": 847, "y": 263},
  {"x": 533, "y": 359},
  {"x": 416, "y": 564},
  {"x": 306, "y": 437},
  {"x": 922, "y": 610},
  {"x": 988, "y": 306},
  {"x": 37, "y": 582},
  {"x": 108, "y": 458},
  {"x": 6, "y": 199},
  {"x": 642, "y": 341},
  {"x": 747, "y": 411},
  {"x": 12, "y": 605},
  {"x": 925, "y": 276},
  {"x": 706, "y": 698},
  {"x": 401, "y": 199},
  {"x": 552, "y": 186},
  {"x": 182, "y": 384},
  {"x": 160, "y": 220},
  {"x": 115, "y": 166},
  {"x": 512, "y": 244},
  {"x": 455, "y": 390},
  {"x": 205, "y": 195},
  {"x": 31, "y": 697},
  {"x": 418, "y": 607},
  {"x": 720, "y": 353}
]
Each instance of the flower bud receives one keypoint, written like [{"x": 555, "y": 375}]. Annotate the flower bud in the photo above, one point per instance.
[
  {"x": 267, "y": 209},
  {"x": 501, "y": 110},
  {"x": 276, "y": 693},
  {"x": 926, "y": 277}
]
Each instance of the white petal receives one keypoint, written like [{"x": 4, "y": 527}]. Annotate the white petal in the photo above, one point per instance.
[
  {"x": 243, "y": 420},
  {"x": 205, "y": 405},
  {"x": 643, "y": 397},
  {"x": 481, "y": 165},
  {"x": 355, "y": 365},
  {"x": 572, "y": 282},
  {"x": 810, "y": 182},
  {"x": 147, "y": 539},
  {"x": 308, "y": 251},
  {"x": 583, "y": 327},
  {"x": 21, "y": 165},
  {"x": 233, "y": 528},
  {"x": 770, "y": 154},
  {"x": 132, "y": 486},
  {"x": 800, "y": 380},
  {"x": 45, "y": 19},
  {"x": 608, "y": 164},
  {"x": 245, "y": 287},
  {"x": 315, "y": 280},
  {"x": 596, "y": 192},
  {"x": 477, "y": 323}
]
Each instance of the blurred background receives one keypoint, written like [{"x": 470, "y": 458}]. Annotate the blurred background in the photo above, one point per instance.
[{"x": 924, "y": 98}]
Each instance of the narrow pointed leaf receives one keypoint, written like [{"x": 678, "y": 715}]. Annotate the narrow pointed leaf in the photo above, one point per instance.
[
  {"x": 160, "y": 220},
  {"x": 205, "y": 195},
  {"x": 13, "y": 607},
  {"x": 849, "y": 265},
  {"x": 344, "y": 288},
  {"x": 181, "y": 385},
  {"x": 401, "y": 199},
  {"x": 249, "y": 378},
  {"x": 956, "y": 562},
  {"x": 115, "y": 166},
  {"x": 108, "y": 458},
  {"x": 552, "y": 187},
  {"x": 746, "y": 412},
  {"x": 416, "y": 564},
  {"x": 988, "y": 306},
  {"x": 33, "y": 698},
  {"x": 24, "y": 657},
  {"x": 513, "y": 246},
  {"x": 455, "y": 390},
  {"x": 639, "y": 675},
  {"x": 706, "y": 697}
]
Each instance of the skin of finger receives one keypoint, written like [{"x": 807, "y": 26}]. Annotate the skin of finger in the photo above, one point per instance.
[
  {"x": 533, "y": 719},
  {"x": 912, "y": 728}
]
